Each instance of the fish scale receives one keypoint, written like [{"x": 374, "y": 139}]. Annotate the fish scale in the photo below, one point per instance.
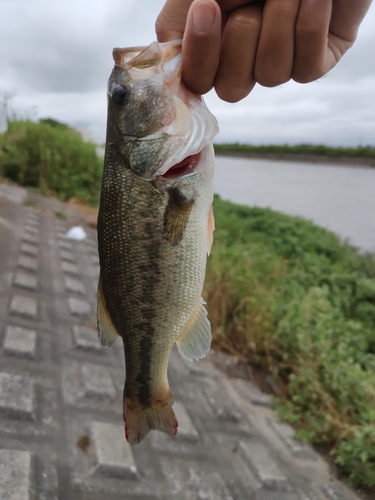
[{"x": 154, "y": 231}]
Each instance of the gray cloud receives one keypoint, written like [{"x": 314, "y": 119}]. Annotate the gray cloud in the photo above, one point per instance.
[{"x": 56, "y": 57}]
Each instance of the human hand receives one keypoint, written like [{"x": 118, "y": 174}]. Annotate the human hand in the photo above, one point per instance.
[{"x": 233, "y": 44}]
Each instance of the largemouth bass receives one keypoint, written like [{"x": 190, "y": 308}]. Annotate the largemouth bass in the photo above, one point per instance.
[{"x": 155, "y": 227}]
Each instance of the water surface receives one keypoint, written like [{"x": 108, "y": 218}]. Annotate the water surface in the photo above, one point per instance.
[{"x": 339, "y": 198}]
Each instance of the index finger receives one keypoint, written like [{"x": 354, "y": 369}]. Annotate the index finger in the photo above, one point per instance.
[{"x": 170, "y": 23}]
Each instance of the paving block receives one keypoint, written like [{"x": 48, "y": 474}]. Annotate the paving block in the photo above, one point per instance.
[
  {"x": 263, "y": 465},
  {"x": 24, "y": 306},
  {"x": 257, "y": 397},
  {"x": 19, "y": 342},
  {"x": 24, "y": 280},
  {"x": 74, "y": 285},
  {"x": 32, "y": 229},
  {"x": 97, "y": 382},
  {"x": 86, "y": 338},
  {"x": 94, "y": 271},
  {"x": 33, "y": 222},
  {"x": 186, "y": 430},
  {"x": 69, "y": 268},
  {"x": 286, "y": 433},
  {"x": 65, "y": 244},
  {"x": 66, "y": 255},
  {"x": 78, "y": 307},
  {"x": 221, "y": 406},
  {"x": 114, "y": 457},
  {"x": 189, "y": 481},
  {"x": 33, "y": 216},
  {"x": 30, "y": 238},
  {"x": 16, "y": 396},
  {"x": 29, "y": 249},
  {"x": 16, "y": 473},
  {"x": 29, "y": 263}
]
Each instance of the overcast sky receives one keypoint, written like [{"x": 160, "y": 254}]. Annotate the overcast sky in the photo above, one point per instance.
[{"x": 55, "y": 57}]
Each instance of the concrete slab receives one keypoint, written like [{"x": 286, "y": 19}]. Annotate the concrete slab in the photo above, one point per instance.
[
  {"x": 74, "y": 285},
  {"x": 19, "y": 342},
  {"x": 25, "y": 280},
  {"x": 24, "y": 306},
  {"x": 86, "y": 338},
  {"x": 114, "y": 457},
  {"x": 97, "y": 382},
  {"x": 15, "y": 475},
  {"x": 78, "y": 307},
  {"x": 263, "y": 465},
  {"x": 29, "y": 263},
  {"x": 16, "y": 396},
  {"x": 29, "y": 249}
]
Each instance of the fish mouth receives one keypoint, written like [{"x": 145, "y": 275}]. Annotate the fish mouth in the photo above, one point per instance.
[{"x": 184, "y": 168}]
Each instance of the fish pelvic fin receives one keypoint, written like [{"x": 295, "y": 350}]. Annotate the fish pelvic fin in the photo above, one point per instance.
[
  {"x": 106, "y": 330},
  {"x": 140, "y": 421},
  {"x": 195, "y": 340}
]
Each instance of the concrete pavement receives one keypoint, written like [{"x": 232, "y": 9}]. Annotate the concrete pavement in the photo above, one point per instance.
[{"x": 61, "y": 428}]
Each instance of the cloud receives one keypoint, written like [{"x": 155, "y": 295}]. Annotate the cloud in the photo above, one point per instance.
[{"x": 56, "y": 58}]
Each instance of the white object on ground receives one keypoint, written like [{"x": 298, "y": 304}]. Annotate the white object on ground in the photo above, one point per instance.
[{"x": 76, "y": 233}]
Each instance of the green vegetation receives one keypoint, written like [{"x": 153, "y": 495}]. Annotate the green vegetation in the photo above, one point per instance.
[
  {"x": 280, "y": 151},
  {"x": 289, "y": 298},
  {"x": 52, "y": 157}
]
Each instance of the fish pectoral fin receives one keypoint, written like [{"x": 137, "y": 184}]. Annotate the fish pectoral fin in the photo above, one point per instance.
[
  {"x": 210, "y": 229},
  {"x": 106, "y": 330},
  {"x": 195, "y": 340}
]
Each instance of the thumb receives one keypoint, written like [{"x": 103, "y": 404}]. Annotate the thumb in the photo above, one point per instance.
[{"x": 170, "y": 24}]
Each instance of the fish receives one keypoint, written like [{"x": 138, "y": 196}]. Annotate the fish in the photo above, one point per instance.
[{"x": 155, "y": 227}]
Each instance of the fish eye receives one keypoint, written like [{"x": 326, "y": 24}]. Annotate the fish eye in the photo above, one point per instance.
[{"x": 120, "y": 95}]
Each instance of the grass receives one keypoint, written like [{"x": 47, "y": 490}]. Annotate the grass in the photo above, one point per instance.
[{"x": 290, "y": 298}]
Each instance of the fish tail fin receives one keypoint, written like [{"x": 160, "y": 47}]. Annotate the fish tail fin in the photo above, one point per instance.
[{"x": 140, "y": 421}]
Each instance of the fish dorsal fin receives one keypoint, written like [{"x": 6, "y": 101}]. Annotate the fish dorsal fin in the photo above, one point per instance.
[
  {"x": 106, "y": 330},
  {"x": 210, "y": 229},
  {"x": 195, "y": 340}
]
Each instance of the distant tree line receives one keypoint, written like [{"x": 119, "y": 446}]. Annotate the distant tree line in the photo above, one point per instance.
[{"x": 301, "y": 150}]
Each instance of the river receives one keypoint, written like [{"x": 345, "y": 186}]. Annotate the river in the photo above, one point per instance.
[{"x": 339, "y": 198}]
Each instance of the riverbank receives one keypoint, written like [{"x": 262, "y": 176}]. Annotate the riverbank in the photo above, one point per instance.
[
  {"x": 289, "y": 298},
  {"x": 311, "y": 153},
  {"x": 321, "y": 159}
]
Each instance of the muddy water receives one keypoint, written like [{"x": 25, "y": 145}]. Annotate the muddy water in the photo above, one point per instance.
[{"x": 339, "y": 198}]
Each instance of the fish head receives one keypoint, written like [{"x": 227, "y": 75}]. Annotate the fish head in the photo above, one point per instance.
[{"x": 153, "y": 120}]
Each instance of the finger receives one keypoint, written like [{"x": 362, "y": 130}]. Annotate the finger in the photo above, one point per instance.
[
  {"x": 234, "y": 79},
  {"x": 170, "y": 24},
  {"x": 347, "y": 16},
  {"x": 201, "y": 46},
  {"x": 312, "y": 59},
  {"x": 274, "y": 59}
]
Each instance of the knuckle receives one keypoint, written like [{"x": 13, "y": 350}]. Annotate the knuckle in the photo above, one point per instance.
[
  {"x": 307, "y": 74},
  {"x": 285, "y": 7},
  {"x": 271, "y": 75},
  {"x": 242, "y": 20},
  {"x": 231, "y": 91}
]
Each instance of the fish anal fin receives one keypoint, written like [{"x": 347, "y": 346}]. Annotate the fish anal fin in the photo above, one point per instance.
[
  {"x": 210, "y": 229},
  {"x": 106, "y": 330},
  {"x": 140, "y": 421},
  {"x": 195, "y": 340}
]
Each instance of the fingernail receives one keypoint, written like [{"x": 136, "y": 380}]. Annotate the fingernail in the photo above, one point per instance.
[{"x": 203, "y": 17}]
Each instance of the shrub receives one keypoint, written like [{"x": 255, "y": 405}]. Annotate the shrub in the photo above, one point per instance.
[
  {"x": 290, "y": 298},
  {"x": 52, "y": 157}
]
